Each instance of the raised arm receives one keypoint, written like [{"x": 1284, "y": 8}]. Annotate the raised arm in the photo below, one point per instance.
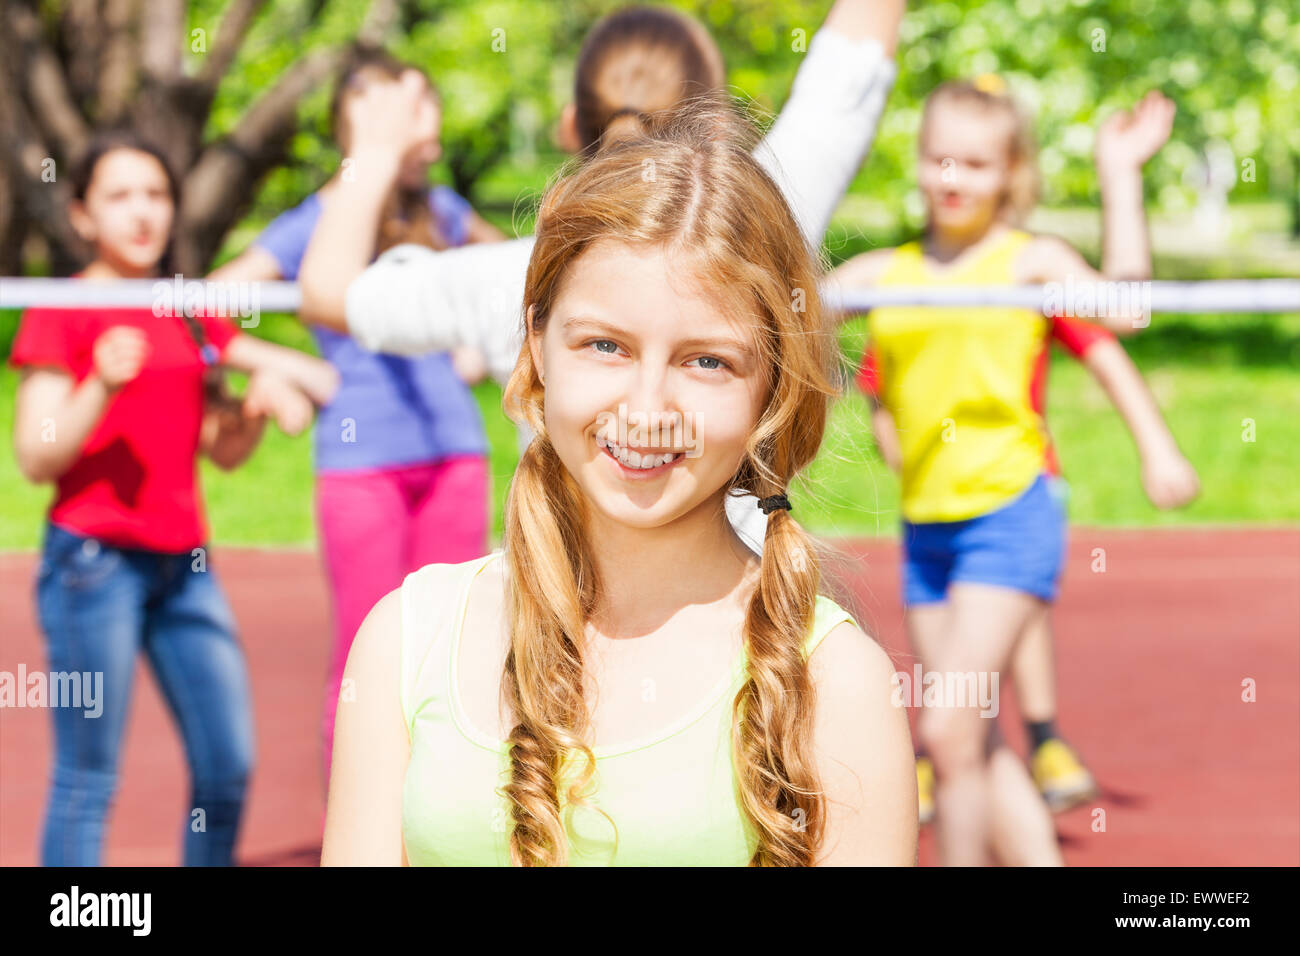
[
  {"x": 823, "y": 133},
  {"x": 344, "y": 238},
  {"x": 414, "y": 300},
  {"x": 1125, "y": 141}
]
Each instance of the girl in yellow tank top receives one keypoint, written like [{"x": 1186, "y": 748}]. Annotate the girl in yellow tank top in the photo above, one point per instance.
[
  {"x": 627, "y": 683},
  {"x": 958, "y": 382},
  {"x": 983, "y": 537}
]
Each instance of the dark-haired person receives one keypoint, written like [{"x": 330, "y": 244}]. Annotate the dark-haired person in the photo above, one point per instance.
[
  {"x": 401, "y": 452},
  {"x": 635, "y": 63},
  {"x": 113, "y": 407}
]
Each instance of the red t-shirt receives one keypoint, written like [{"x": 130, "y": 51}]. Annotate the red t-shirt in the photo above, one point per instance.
[
  {"x": 1075, "y": 335},
  {"x": 135, "y": 484}
]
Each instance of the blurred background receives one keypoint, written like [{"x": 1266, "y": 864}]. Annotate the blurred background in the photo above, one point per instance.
[
  {"x": 241, "y": 108},
  {"x": 1152, "y": 656}
]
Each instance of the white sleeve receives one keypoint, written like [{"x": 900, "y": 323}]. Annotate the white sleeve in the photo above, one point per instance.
[
  {"x": 746, "y": 519},
  {"x": 826, "y": 127},
  {"x": 413, "y": 300}
]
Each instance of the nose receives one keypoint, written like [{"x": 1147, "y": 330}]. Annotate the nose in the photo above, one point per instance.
[{"x": 651, "y": 389}]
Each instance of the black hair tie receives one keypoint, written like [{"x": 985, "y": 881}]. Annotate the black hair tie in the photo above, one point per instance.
[{"x": 774, "y": 503}]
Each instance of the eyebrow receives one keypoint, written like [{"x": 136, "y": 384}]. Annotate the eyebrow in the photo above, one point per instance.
[{"x": 578, "y": 322}]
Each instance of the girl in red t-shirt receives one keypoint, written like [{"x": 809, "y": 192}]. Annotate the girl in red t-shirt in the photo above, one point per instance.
[{"x": 114, "y": 406}]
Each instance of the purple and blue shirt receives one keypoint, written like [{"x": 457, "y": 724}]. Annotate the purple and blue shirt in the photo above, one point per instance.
[{"x": 390, "y": 410}]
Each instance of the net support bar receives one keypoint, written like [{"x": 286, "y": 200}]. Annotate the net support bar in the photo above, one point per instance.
[
  {"x": 1083, "y": 299},
  {"x": 164, "y": 296},
  {"x": 1088, "y": 298}
]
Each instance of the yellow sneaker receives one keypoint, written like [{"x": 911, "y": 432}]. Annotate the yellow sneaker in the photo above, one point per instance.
[
  {"x": 925, "y": 789},
  {"x": 1061, "y": 776}
]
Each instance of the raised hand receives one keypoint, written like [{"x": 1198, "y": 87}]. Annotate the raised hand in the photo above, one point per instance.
[
  {"x": 1128, "y": 138},
  {"x": 384, "y": 116},
  {"x": 119, "y": 353}
]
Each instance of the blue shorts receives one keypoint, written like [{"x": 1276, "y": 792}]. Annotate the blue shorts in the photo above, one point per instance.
[{"x": 1020, "y": 545}]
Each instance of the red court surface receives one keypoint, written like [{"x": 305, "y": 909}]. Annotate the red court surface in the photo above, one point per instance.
[{"x": 1152, "y": 655}]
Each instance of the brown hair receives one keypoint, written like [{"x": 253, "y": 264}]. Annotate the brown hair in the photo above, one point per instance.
[
  {"x": 406, "y": 216},
  {"x": 639, "y": 61},
  {"x": 706, "y": 195},
  {"x": 988, "y": 94}
]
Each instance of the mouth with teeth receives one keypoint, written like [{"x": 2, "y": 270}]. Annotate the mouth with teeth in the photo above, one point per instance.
[{"x": 639, "y": 463}]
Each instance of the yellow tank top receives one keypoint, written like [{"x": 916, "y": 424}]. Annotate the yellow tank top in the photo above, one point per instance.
[
  {"x": 673, "y": 796},
  {"x": 957, "y": 380}
]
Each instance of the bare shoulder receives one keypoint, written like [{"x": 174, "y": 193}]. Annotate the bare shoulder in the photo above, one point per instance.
[
  {"x": 850, "y": 663},
  {"x": 863, "y": 269},
  {"x": 378, "y": 639},
  {"x": 393, "y": 626},
  {"x": 1046, "y": 258}
]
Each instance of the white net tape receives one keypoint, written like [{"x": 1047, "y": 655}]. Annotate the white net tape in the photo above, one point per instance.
[{"x": 1072, "y": 298}]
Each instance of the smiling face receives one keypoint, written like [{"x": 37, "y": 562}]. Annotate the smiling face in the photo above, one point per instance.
[
  {"x": 127, "y": 211},
  {"x": 642, "y": 367},
  {"x": 964, "y": 166}
]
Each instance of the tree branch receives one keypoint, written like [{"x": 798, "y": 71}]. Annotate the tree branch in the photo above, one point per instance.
[
  {"x": 217, "y": 190},
  {"x": 118, "y": 62},
  {"x": 239, "y": 16},
  {"x": 31, "y": 57},
  {"x": 43, "y": 201},
  {"x": 83, "y": 35},
  {"x": 379, "y": 18},
  {"x": 162, "y": 36}
]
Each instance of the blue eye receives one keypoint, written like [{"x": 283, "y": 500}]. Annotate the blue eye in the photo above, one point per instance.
[
  {"x": 613, "y": 347},
  {"x": 718, "y": 363}
]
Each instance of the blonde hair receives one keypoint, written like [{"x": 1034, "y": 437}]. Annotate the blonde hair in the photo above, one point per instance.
[
  {"x": 988, "y": 92},
  {"x": 708, "y": 196}
]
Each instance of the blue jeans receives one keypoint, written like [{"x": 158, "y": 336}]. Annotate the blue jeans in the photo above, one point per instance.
[{"x": 99, "y": 605}]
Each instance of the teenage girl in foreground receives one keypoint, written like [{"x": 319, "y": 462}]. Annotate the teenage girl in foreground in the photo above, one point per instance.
[
  {"x": 401, "y": 454},
  {"x": 983, "y": 534},
  {"x": 111, "y": 408},
  {"x": 627, "y": 683}
]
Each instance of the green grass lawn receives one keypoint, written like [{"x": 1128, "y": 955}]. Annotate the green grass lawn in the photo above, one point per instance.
[{"x": 1209, "y": 373}]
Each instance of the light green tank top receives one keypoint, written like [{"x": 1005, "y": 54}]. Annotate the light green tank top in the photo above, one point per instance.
[{"x": 673, "y": 796}]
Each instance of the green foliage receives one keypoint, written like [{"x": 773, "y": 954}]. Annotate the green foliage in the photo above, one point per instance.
[{"x": 505, "y": 68}]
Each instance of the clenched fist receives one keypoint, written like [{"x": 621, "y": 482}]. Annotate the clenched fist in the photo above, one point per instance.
[
  {"x": 1170, "y": 481},
  {"x": 119, "y": 354}
]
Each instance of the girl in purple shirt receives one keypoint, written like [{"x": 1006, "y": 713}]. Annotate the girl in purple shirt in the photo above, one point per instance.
[{"x": 401, "y": 454}]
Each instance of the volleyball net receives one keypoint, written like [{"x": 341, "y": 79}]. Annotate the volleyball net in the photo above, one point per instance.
[{"x": 1075, "y": 298}]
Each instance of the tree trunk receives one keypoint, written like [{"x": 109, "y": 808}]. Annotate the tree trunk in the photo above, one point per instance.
[{"x": 68, "y": 69}]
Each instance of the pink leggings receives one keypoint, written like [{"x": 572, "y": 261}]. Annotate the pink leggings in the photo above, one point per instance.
[{"x": 378, "y": 526}]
